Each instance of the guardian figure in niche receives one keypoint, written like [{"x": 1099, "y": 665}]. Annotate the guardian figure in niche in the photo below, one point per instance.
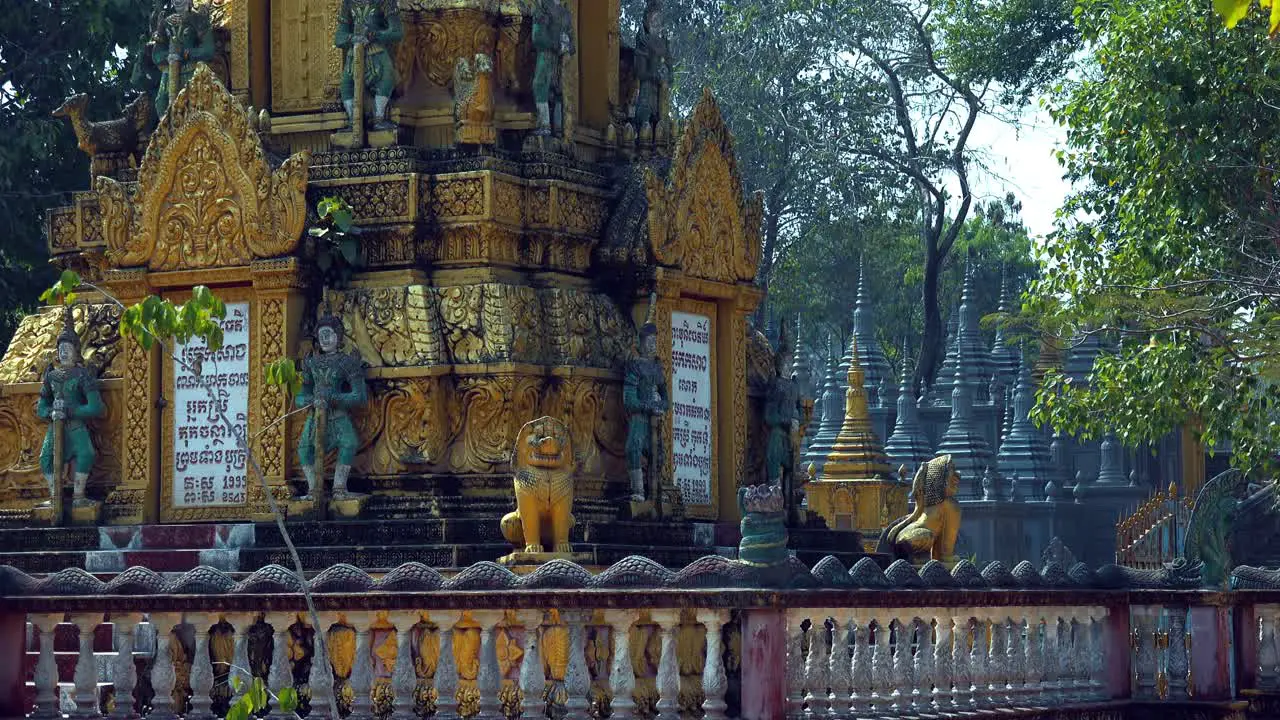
[
  {"x": 69, "y": 397},
  {"x": 644, "y": 397},
  {"x": 368, "y": 31},
  {"x": 180, "y": 40},
  {"x": 333, "y": 386}
]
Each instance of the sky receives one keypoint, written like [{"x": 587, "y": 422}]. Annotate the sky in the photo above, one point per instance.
[{"x": 1021, "y": 160}]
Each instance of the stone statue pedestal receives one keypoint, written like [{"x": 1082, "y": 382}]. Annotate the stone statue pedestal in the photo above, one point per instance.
[
  {"x": 518, "y": 559},
  {"x": 640, "y": 510},
  {"x": 86, "y": 513},
  {"x": 374, "y": 138},
  {"x": 349, "y": 507}
]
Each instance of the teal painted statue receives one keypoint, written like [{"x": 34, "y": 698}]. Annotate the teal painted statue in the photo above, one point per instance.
[
  {"x": 69, "y": 397},
  {"x": 552, "y": 41},
  {"x": 644, "y": 397},
  {"x": 782, "y": 414},
  {"x": 374, "y": 28},
  {"x": 333, "y": 386},
  {"x": 764, "y": 526},
  {"x": 1208, "y": 537},
  {"x": 652, "y": 68},
  {"x": 181, "y": 39}
]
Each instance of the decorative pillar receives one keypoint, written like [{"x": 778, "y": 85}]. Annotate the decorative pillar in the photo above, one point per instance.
[
  {"x": 1052, "y": 658},
  {"x": 943, "y": 673},
  {"x": 320, "y": 679},
  {"x": 404, "y": 677},
  {"x": 860, "y": 680},
  {"x": 922, "y": 671},
  {"x": 489, "y": 676},
  {"x": 1080, "y": 655},
  {"x": 714, "y": 681},
  {"x": 668, "y": 668},
  {"x": 276, "y": 313},
  {"x": 1096, "y": 688},
  {"x": 815, "y": 666},
  {"x": 201, "y": 669},
  {"x": 795, "y": 664},
  {"x": 961, "y": 670},
  {"x": 1265, "y": 629},
  {"x": 446, "y": 679},
  {"x": 979, "y": 662},
  {"x": 280, "y": 676},
  {"x": 1014, "y": 655},
  {"x": 577, "y": 679},
  {"x": 46, "y": 675},
  {"x": 902, "y": 681},
  {"x": 361, "y": 680},
  {"x": 533, "y": 679},
  {"x": 881, "y": 667},
  {"x": 125, "y": 674},
  {"x": 1033, "y": 662},
  {"x": 622, "y": 675},
  {"x": 86, "y": 675},
  {"x": 840, "y": 667},
  {"x": 163, "y": 677},
  {"x": 240, "y": 656},
  {"x": 997, "y": 662}
]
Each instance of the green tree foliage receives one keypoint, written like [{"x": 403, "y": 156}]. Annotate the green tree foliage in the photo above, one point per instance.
[
  {"x": 1169, "y": 249},
  {"x": 50, "y": 49}
]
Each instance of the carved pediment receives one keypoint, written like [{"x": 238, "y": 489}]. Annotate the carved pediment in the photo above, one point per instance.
[
  {"x": 699, "y": 218},
  {"x": 206, "y": 195}
]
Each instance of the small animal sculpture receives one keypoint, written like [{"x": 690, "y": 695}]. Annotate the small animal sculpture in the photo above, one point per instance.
[
  {"x": 473, "y": 102},
  {"x": 118, "y": 136},
  {"x": 544, "y": 467},
  {"x": 930, "y": 531}
]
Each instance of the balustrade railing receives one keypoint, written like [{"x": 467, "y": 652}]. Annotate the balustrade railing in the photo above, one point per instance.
[
  {"x": 577, "y": 649},
  {"x": 1150, "y": 536}
]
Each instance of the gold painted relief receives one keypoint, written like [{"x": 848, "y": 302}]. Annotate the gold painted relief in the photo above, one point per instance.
[
  {"x": 305, "y": 65},
  {"x": 207, "y": 196},
  {"x": 31, "y": 349},
  {"x": 393, "y": 326}
]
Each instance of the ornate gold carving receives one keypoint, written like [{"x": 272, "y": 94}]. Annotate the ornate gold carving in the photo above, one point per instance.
[
  {"x": 493, "y": 409},
  {"x": 699, "y": 220},
  {"x": 31, "y": 349},
  {"x": 269, "y": 347},
  {"x": 581, "y": 213},
  {"x": 375, "y": 200},
  {"x": 305, "y": 65},
  {"x": 62, "y": 229},
  {"x": 739, "y": 390},
  {"x": 393, "y": 326},
  {"x": 408, "y": 424},
  {"x": 453, "y": 198},
  {"x": 208, "y": 197},
  {"x": 438, "y": 37}
]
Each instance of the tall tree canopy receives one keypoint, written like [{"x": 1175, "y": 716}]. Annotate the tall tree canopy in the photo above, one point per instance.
[
  {"x": 1170, "y": 248},
  {"x": 50, "y": 49}
]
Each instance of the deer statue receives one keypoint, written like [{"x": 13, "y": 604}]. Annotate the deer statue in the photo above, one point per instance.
[{"x": 108, "y": 142}]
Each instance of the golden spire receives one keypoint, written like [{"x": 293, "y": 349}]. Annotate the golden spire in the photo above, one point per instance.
[{"x": 857, "y": 453}]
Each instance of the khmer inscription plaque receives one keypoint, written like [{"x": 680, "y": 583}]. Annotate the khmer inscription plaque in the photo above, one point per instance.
[
  {"x": 209, "y": 469},
  {"x": 691, "y": 398}
]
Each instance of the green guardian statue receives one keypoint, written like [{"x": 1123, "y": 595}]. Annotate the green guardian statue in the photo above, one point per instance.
[
  {"x": 552, "y": 41},
  {"x": 652, "y": 68},
  {"x": 644, "y": 397},
  {"x": 180, "y": 40},
  {"x": 333, "y": 386},
  {"x": 782, "y": 415},
  {"x": 371, "y": 27},
  {"x": 69, "y": 397}
]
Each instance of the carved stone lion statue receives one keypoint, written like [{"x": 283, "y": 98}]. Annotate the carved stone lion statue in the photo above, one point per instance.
[
  {"x": 930, "y": 531},
  {"x": 544, "y": 466}
]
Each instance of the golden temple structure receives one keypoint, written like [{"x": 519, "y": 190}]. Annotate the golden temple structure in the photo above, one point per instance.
[
  {"x": 498, "y": 282},
  {"x": 856, "y": 489}
]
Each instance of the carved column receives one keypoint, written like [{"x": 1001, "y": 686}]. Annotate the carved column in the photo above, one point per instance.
[
  {"x": 882, "y": 667},
  {"x": 902, "y": 663},
  {"x": 1267, "y": 657},
  {"x": 361, "y": 667},
  {"x": 125, "y": 676},
  {"x": 840, "y": 668},
  {"x": 86, "y": 675},
  {"x": 816, "y": 665},
  {"x": 533, "y": 679},
  {"x": 1052, "y": 658},
  {"x": 446, "y": 679},
  {"x": 942, "y": 674},
  {"x": 622, "y": 674},
  {"x": 1014, "y": 654},
  {"x": 46, "y": 675},
  {"x": 136, "y": 499},
  {"x": 1033, "y": 662},
  {"x": 280, "y": 676},
  {"x": 404, "y": 677},
  {"x": 997, "y": 664},
  {"x": 861, "y": 665},
  {"x": 577, "y": 679},
  {"x": 922, "y": 668},
  {"x": 201, "y": 670},
  {"x": 163, "y": 677},
  {"x": 1097, "y": 664},
  {"x": 978, "y": 662},
  {"x": 1083, "y": 654},
  {"x": 668, "y": 668},
  {"x": 489, "y": 678},
  {"x": 795, "y": 664},
  {"x": 240, "y": 674},
  {"x": 961, "y": 670},
  {"x": 714, "y": 681},
  {"x": 277, "y": 315},
  {"x": 320, "y": 679}
]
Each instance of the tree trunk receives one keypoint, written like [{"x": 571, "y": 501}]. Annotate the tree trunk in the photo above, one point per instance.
[
  {"x": 931, "y": 342},
  {"x": 772, "y": 225}
]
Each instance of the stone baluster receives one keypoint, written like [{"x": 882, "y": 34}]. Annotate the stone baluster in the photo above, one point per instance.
[
  {"x": 533, "y": 679},
  {"x": 201, "y": 668},
  {"x": 816, "y": 665},
  {"x": 1096, "y": 667},
  {"x": 1033, "y": 663},
  {"x": 46, "y": 675},
  {"x": 361, "y": 680},
  {"x": 861, "y": 680},
  {"x": 922, "y": 663},
  {"x": 961, "y": 668},
  {"x": 997, "y": 663},
  {"x": 980, "y": 661},
  {"x": 86, "y": 673},
  {"x": 1267, "y": 656},
  {"x": 320, "y": 679},
  {"x": 489, "y": 675},
  {"x": 241, "y": 676},
  {"x": 163, "y": 677},
  {"x": 1080, "y": 656},
  {"x": 902, "y": 663},
  {"x": 1014, "y": 655},
  {"x": 1050, "y": 672},
  {"x": 622, "y": 674},
  {"x": 840, "y": 668},
  {"x": 668, "y": 680},
  {"x": 715, "y": 682},
  {"x": 795, "y": 665},
  {"x": 882, "y": 668},
  {"x": 446, "y": 680},
  {"x": 125, "y": 673},
  {"x": 943, "y": 674},
  {"x": 577, "y": 679},
  {"x": 404, "y": 675},
  {"x": 280, "y": 676}
]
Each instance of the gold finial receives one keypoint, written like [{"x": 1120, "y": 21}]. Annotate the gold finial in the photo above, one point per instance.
[{"x": 1173, "y": 490}]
